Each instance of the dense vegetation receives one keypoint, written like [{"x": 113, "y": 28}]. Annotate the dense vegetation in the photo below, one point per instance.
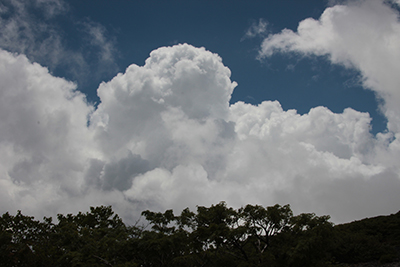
[{"x": 213, "y": 236}]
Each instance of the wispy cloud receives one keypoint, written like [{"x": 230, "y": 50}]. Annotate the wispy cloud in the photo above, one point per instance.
[
  {"x": 31, "y": 28},
  {"x": 259, "y": 29}
]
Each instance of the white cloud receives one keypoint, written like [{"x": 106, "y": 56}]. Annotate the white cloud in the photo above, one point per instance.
[
  {"x": 363, "y": 35},
  {"x": 183, "y": 86},
  {"x": 164, "y": 135},
  {"x": 44, "y": 139}
]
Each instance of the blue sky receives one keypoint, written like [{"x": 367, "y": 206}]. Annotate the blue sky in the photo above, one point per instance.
[
  {"x": 138, "y": 27},
  {"x": 172, "y": 104}
]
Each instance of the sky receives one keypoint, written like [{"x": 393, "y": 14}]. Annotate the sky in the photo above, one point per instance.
[{"x": 173, "y": 104}]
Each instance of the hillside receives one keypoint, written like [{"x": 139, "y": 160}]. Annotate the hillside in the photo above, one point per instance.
[{"x": 369, "y": 240}]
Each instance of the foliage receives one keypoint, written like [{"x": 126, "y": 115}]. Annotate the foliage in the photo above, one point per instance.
[
  {"x": 211, "y": 236},
  {"x": 370, "y": 239}
]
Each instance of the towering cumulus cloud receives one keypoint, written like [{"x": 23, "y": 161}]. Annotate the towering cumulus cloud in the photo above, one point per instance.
[{"x": 165, "y": 136}]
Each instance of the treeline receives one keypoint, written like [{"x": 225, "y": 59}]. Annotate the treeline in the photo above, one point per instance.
[{"x": 213, "y": 236}]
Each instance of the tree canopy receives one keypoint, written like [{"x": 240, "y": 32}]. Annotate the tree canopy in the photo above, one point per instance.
[{"x": 212, "y": 236}]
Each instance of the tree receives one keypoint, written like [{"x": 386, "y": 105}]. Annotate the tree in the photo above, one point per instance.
[
  {"x": 24, "y": 241},
  {"x": 306, "y": 242},
  {"x": 219, "y": 235},
  {"x": 95, "y": 238},
  {"x": 263, "y": 224},
  {"x": 212, "y": 236}
]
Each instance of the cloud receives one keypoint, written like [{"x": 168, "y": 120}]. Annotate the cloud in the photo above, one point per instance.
[
  {"x": 363, "y": 35},
  {"x": 256, "y": 29},
  {"x": 100, "y": 46},
  {"x": 165, "y": 136},
  {"x": 22, "y": 32},
  {"x": 44, "y": 139},
  {"x": 32, "y": 28}
]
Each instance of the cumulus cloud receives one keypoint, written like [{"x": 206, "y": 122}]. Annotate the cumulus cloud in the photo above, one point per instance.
[
  {"x": 44, "y": 139},
  {"x": 165, "y": 136}
]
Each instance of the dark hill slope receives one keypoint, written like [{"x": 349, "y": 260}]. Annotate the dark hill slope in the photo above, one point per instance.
[{"x": 369, "y": 241}]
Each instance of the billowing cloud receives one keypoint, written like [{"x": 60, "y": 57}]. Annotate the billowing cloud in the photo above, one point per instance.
[
  {"x": 165, "y": 136},
  {"x": 44, "y": 139}
]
